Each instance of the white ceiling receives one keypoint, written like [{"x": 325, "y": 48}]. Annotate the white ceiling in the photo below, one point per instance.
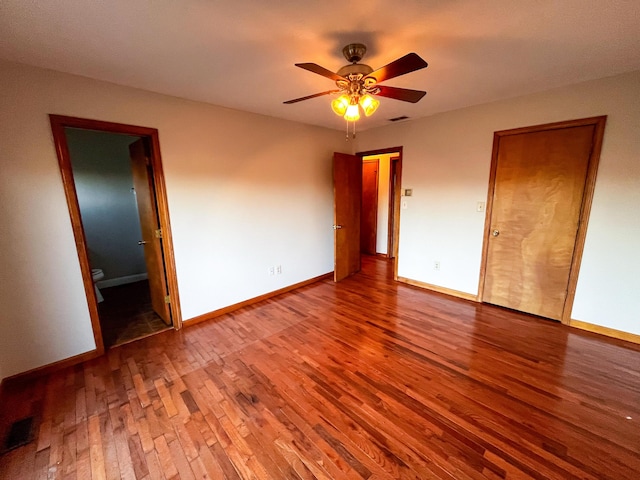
[{"x": 241, "y": 53}]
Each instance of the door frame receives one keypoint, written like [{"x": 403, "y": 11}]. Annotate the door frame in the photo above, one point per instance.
[
  {"x": 395, "y": 166},
  {"x": 58, "y": 125},
  {"x": 585, "y": 209},
  {"x": 396, "y": 194}
]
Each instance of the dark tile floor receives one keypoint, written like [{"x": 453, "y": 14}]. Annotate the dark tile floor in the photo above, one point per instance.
[{"x": 126, "y": 313}]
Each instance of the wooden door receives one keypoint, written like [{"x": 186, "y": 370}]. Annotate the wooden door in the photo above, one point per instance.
[
  {"x": 537, "y": 200},
  {"x": 347, "y": 198},
  {"x": 149, "y": 224},
  {"x": 369, "y": 214}
]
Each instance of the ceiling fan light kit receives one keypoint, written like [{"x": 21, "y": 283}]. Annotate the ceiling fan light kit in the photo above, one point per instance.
[
  {"x": 358, "y": 84},
  {"x": 369, "y": 104},
  {"x": 347, "y": 106}
]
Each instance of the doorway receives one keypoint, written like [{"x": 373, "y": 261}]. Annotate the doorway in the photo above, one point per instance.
[
  {"x": 350, "y": 197},
  {"x": 112, "y": 174},
  {"x": 380, "y": 197},
  {"x": 369, "y": 216},
  {"x": 541, "y": 186}
]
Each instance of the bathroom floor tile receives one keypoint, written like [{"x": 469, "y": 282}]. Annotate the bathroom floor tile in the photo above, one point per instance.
[{"x": 126, "y": 313}]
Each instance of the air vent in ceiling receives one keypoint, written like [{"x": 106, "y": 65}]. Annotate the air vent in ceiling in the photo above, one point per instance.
[{"x": 397, "y": 119}]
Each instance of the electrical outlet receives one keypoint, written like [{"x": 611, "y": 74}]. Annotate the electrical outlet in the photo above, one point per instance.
[
  {"x": 272, "y": 270},
  {"x": 279, "y": 269},
  {"x": 436, "y": 265}
]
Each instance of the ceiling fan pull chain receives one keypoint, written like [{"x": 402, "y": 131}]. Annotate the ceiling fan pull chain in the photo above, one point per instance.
[{"x": 353, "y": 134}]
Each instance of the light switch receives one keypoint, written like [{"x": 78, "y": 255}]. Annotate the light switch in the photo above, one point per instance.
[
  {"x": 404, "y": 204},
  {"x": 480, "y": 207}
]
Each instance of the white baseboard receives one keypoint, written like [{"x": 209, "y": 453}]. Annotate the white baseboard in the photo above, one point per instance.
[{"x": 113, "y": 282}]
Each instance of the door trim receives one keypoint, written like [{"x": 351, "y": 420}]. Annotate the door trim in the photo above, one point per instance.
[
  {"x": 58, "y": 124},
  {"x": 585, "y": 208},
  {"x": 395, "y": 165}
]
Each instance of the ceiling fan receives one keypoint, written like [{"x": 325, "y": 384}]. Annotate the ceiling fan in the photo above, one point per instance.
[{"x": 359, "y": 83}]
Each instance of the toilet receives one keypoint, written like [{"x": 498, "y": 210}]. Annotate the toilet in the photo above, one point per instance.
[{"x": 97, "y": 274}]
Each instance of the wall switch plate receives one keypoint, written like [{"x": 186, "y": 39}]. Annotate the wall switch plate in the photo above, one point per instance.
[
  {"x": 480, "y": 207},
  {"x": 272, "y": 270},
  {"x": 436, "y": 265},
  {"x": 404, "y": 204},
  {"x": 279, "y": 269}
]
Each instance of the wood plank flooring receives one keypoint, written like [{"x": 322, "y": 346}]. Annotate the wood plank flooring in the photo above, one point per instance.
[{"x": 362, "y": 379}]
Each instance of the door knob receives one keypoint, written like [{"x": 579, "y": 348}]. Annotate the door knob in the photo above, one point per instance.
[
  {"x": 495, "y": 232},
  {"x": 141, "y": 242},
  {"x": 337, "y": 227}
]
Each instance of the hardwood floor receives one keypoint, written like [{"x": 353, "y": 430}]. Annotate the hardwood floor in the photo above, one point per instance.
[{"x": 362, "y": 379}]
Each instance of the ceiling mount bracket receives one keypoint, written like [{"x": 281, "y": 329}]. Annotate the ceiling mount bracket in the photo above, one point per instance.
[{"x": 354, "y": 52}]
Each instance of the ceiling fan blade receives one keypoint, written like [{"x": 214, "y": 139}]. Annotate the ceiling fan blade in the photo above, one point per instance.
[
  {"x": 407, "y": 64},
  {"x": 295, "y": 100},
  {"x": 315, "y": 68},
  {"x": 404, "y": 94}
]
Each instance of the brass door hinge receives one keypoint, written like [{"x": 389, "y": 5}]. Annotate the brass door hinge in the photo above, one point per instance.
[
  {"x": 167, "y": 299},
  {"x": 158, "y": 233}
]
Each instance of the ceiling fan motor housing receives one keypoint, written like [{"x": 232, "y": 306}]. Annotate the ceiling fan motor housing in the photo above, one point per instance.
[
  {"x": 355, "y": 72},
  {"x": 355, "y": 69}
]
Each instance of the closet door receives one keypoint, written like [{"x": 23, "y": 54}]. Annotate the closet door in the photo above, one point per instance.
[{"x": 538, "y": 192}]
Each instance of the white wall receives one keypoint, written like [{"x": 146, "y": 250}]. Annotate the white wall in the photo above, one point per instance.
[
  {"x": 104, "y": 181},
  {"x": 446, "y": 161},
  {"x": 245, "y": 192}
]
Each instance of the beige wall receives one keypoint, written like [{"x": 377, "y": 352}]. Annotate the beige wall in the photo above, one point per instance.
[
  {"x": 245, "y": 192},
  {"x": 446, "y": 162}
]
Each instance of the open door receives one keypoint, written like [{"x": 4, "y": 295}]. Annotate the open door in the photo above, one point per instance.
[
  {"x": 151, "y": 233},
  {"x": 347, "y": 199}
]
